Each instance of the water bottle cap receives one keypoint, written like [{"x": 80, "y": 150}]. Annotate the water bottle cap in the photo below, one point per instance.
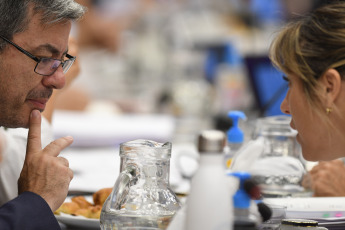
[{"x": 211, "y": 141}]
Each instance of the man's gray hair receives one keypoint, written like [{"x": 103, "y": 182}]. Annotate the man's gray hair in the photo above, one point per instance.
[{"x": 14, "y": 14}]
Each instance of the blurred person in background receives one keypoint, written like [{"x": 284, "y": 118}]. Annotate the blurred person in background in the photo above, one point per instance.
[
  {"x": 100, "y": 35},
  {"x": 106, "y": 20},
  {"x": 72, "y": 99},
  {"x": 310, "y": 51},
  {"x": 96, "y": 30},
  {"x": 34, "y": 44}
]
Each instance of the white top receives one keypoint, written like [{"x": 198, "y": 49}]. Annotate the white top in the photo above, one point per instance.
[{"x": 13, "y": 155}]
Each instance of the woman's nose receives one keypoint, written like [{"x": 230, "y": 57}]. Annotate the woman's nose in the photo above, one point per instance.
[{"x": 284, "y": 106}]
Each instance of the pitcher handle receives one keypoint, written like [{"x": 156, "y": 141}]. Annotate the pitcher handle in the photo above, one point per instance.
[{"x": 122, "y": 185}]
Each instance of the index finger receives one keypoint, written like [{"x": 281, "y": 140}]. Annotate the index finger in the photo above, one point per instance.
[
  {"x": 55, "y": 147},
  {"x": 338, "y": 162},
  {"x": 34, "y": 135}
]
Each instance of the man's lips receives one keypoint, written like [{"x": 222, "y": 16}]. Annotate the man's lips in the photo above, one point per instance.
[{"x": 38, "y": 103}]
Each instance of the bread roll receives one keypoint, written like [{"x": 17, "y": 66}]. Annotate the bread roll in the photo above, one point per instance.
[
  {"x": 81, "y": 201},
  {"x": 68, "y": 208},
  {"x": 101, "y": 195}
]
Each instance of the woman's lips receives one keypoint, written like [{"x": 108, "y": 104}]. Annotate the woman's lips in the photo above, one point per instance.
[{"x": 292, "y": 125}]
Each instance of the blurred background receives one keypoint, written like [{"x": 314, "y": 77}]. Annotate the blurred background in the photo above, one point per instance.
[
  {"x": 194, "y": 60},
  {"x": 166, "y": 69}
]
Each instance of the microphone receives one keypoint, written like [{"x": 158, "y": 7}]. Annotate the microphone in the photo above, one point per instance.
[{"x": 265, "y": 211}]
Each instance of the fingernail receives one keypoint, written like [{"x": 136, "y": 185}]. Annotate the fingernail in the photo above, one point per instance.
[
  {"x": 35, "y": 113},
  {"x": 69, "y": 138}
]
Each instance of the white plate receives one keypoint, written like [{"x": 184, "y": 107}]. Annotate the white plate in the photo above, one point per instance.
[{"x": 78, "y": 221}]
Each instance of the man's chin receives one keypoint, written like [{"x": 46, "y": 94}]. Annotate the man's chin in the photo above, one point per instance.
[
  {"x": 24, "y": 122},
  {"x": 16, "y": 125},
  {"x": 19, "y": 118}
]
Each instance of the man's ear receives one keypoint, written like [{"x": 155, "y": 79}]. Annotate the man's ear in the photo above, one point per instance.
[{"x": 331, "y": 80}]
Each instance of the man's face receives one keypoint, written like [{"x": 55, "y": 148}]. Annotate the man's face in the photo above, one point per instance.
[{"x": 21, "y": 89}]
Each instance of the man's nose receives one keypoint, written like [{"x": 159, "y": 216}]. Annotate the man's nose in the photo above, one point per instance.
[{"x": 56, "y": 81}]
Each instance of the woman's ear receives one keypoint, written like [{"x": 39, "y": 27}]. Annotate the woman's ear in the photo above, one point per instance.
[{"x": 331, "y": 80}]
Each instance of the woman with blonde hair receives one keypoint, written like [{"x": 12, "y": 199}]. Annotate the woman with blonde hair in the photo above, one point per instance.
[{"x": 311, "y": 52}]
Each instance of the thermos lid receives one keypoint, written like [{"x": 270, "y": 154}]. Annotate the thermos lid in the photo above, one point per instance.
[{"x": 211, "y": 141}]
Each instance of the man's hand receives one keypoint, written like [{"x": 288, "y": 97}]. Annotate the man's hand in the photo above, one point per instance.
[
  {"x": 44, "y": 173},
  {"x": 327, "y": 179}
]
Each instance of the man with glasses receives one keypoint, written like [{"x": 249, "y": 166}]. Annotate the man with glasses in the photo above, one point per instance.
[
  {"x": 13, "y": 140},
  {"x": 33, "y": 60}
]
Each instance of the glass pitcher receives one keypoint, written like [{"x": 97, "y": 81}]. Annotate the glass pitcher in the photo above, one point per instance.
[
  {"x": 141, "y": 197},
  {"x": 280, "y": 168},
  {"x": 280, "y": 138}
]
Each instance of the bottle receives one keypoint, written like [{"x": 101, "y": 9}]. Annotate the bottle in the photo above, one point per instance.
[
  {"x": 209, "y": 202},
  {"x": 243, "y": 219},
  {"x": 234, "y": 136}
]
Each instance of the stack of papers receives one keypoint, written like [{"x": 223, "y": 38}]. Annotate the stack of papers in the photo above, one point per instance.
[
  {"x": 332, "y": 223},
  {"x": 328, "y": 211}
]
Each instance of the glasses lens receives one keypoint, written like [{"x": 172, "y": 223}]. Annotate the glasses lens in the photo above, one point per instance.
[
  {"x": 67, "y": 64},
  {"x": 47, "y": 66}
]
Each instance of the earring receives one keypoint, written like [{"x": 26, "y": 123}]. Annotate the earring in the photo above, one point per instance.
[{"x": 328, "y": 110}]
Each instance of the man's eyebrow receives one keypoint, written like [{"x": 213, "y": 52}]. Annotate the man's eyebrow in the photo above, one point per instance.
[{"x": 49, "y": 48}]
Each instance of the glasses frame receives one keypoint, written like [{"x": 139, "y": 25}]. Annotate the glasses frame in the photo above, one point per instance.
[{"x": 38, "y": 60}]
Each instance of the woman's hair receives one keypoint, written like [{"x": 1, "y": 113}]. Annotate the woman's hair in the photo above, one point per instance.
[
  {"x": 14, "y": 14},
  {"x": 311, "y": 45}
]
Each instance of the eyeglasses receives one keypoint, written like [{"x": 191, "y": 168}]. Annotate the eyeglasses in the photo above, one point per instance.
[{"x": 45, "y": 66}]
